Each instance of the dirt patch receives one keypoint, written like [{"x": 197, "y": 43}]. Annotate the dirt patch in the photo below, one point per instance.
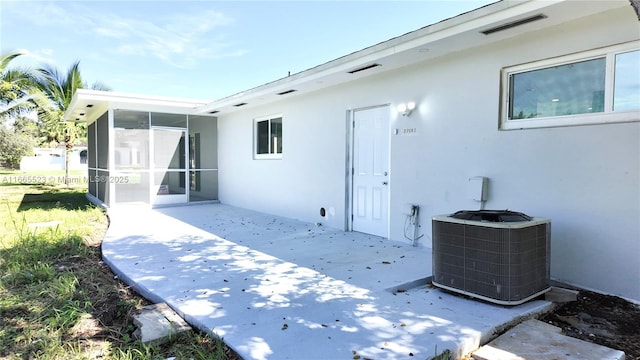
[{"x": 601, "y": 319}]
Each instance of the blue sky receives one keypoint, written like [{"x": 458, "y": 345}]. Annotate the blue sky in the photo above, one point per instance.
[{"x": 204, "y": 49}]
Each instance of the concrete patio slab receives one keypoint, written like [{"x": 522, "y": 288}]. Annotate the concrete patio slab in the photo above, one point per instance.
[{"x": 276, "y": 288}]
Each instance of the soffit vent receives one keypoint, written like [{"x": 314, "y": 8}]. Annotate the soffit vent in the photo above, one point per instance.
[
  {"x": 371, "y": 66},
  {"x": 287, "y": 92},
  {"x": 514, "y": 24},
  {"x": 214, "y": 112},
  {"x": 240, "y": 104}
]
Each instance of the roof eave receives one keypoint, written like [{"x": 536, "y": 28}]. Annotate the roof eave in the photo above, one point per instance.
[
  {"x": 469, "y": 25},
  {"x": 87, "y": 105}
]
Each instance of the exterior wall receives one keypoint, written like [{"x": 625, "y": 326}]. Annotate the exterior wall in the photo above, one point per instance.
[
  {"x": 311, "y": 173},
  {"x": 584, "y": 178}
]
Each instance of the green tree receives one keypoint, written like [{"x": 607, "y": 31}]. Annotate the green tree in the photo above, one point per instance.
[
  {"x": 59, "y": 89},
  {"x": 29, "y": 126},
  {"x": 18, "y": 98},
  {"x": 13, "y": 146},
  {"x": 18, "y": 93}
]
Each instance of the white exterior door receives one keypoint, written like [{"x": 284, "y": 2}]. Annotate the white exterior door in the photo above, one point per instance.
[{"x": 370, "y": 201}]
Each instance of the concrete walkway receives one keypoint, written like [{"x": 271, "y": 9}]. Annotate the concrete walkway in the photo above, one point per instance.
[
  {"x": 535, "y": 339},
  {"x": 276, "y": 288}
]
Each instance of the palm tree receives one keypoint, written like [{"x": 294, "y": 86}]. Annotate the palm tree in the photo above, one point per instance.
[
  {"x": 18, "y": 94},
  {"x": 59, "y": 89}
]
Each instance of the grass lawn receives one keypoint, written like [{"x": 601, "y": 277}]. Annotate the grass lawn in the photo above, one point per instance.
[
  {"x": 8, "y": 172},
  {"x": 58, "y": 300},
  {"x": 43, "y": 177}
]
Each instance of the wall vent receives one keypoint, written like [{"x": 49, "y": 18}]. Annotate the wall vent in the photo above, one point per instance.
[
  {"x": 287, "y": 92},
  {"x": 514, "y": 24},
  {"x": 370, "y": 66}
]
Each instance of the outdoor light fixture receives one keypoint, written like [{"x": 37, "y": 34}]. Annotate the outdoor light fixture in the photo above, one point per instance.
[{"x": 406, "y": 109}]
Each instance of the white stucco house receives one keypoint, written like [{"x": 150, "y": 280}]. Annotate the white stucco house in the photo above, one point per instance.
[
  {"x": 540, "y": 98},
  {"x": 54, "y": 159}
]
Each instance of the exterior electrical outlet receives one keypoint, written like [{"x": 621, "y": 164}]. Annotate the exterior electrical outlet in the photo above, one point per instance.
[{"x": 409, "y": 209}]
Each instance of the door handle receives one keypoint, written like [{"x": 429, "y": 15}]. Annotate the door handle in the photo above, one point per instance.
[{"x": 385, "y": 183}]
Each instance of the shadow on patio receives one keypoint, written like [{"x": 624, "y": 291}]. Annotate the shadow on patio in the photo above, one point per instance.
[{"x": 278, "y": 288}]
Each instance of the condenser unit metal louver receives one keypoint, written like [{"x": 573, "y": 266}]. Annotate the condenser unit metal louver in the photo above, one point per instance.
[{"x": 498, "y": 256}]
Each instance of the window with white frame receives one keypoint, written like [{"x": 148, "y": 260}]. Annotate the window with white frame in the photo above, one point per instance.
[
  {"x": 594, "y": 87},
  {"x": 268, "y": 137}
]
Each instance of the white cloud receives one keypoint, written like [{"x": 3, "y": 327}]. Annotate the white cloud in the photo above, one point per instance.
[
  {"x": 129, "y": 50},
  {"x": 110, "y": 32},
  {"x": 179, "y": 35},
  {"x": 180, "y": 39},
  {"x": 39, "y": 13},
  {"x": 35, "y": 58}
]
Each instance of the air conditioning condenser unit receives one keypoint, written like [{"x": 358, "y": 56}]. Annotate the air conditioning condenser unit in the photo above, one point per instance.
[{"x": 499, "y": 256}]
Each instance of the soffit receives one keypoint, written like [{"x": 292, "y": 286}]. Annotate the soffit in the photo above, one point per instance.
[{"x": 88, "y": 105}]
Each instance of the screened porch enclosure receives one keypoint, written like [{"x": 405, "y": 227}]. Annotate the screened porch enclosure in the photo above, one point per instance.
[{"x": 152, "y": 158}]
